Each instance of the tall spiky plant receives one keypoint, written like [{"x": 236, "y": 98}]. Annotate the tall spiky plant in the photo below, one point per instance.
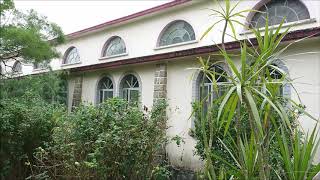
[{"x": 253, "y": 88}]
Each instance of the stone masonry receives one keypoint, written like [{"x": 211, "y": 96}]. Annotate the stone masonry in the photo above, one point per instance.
[
  {"x": 160, "y": 83},
  {"x": 76, "y": 97}
]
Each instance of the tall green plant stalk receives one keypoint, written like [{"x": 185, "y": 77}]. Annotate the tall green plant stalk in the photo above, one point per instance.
[
  {"x": 228, "y": 17},
  {"x": 253, "y": 88}
]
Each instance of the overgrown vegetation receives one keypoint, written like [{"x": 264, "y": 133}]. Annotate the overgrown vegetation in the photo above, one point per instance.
[
  {"x": 29, "y": 110},
  {"x": 51, "y": 87},
  {"x": 40, "y": 140},
  {"x": 26, "y": 123},
  {"x": 250, "y": 131},
  {"x": 111, "y": 141}
]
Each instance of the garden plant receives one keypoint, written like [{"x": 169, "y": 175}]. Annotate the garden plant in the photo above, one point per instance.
[{"x": 252, "y": 131}]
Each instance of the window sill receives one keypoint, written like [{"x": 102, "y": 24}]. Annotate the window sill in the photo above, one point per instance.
[
  {"x": 302, "y": 22},
  {"x": 16, "y": 73},
  {"x": 113, "y": 56},
  {"x": 39, "y": 69},
  {"x": 63, "y": 65},
  {"x": 177, "y": 44}
]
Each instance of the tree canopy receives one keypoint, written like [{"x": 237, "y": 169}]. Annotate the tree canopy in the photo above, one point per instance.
[{"x": 27, "y": 36}]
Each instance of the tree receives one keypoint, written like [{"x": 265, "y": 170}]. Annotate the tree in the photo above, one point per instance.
[{"x": 27, "y": 37}]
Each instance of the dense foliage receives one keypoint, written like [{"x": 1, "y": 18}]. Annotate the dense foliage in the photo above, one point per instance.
[
  {"x": 26, "y": 36},
  {"x": 249, "y": 132},
  {"x": 229, "y": 139},
  {"x": 26, "y": 123},
  {"x": 29, "y": 109},
  {"x": 111, "y": 141},
  {"x": 51, "y": 87}
]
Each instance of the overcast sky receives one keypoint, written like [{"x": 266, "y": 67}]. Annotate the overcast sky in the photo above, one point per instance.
[{"x": 76, "y": 15}]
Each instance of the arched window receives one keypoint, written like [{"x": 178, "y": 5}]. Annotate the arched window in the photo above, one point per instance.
[
  {"x": 114, "y": 46},
  {"x": 176, "y": 32},
  {"x": 205, "y": 88},
  {"x": 205, "y": 83},
  {"x": 276, "y": 75},
  {"x": 71, "y": 56},
  {"x": 17, "y": 67},
  {"x": 105, "y": 89},
  {"x": 41, "y": 65},
  {"x": 277, "y": 10},
  {"x": 130, "y": 88}
]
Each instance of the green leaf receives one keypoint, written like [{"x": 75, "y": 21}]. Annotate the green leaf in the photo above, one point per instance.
[
  {"x": 254, "y": 110},
  {"x": 224, "y": 101},
  {"x": 231, "y": 114},
  {"x": 209, "y": 29}
]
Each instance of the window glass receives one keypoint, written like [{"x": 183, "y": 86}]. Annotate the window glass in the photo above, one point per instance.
[
  {"x": 17, "y": 67},
  {"x": 130, "y": 88},
  {"x": 115, "y": 46},
  {"x": 177, "y": 32},
  {"x": 276, "y": 75},
  {"x": 42, "y": 65},
  {"x": 206, "y": 88},
  {"x": 276, "y": 10},
  {"x": 72, "y": 56},
  {"x": 105, "y": 89}
]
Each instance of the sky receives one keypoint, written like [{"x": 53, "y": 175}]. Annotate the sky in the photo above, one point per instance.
[{"x": 75, "y": 15}]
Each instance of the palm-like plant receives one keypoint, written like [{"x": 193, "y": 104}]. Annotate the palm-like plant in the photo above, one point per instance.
[{"x": 252, "y": 87}]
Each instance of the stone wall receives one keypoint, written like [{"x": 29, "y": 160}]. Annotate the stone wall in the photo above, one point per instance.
[
  {"x": 160, "y": 82},
  {"x": 77, "y": 92}
]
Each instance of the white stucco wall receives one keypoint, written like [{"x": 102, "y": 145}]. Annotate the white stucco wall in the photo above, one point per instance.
[{"x": 145, "y": 73}]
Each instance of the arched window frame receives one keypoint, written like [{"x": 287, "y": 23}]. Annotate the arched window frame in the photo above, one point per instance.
[
  {"x": 286, "y": 88},
  {"x": 196, "y": 89},
  {"x": 17, "y": 67},
  {"x": 163, "y": 31},
  {"x": 106, "y": 46},
  {"x": 41, "y": 65},
  {"x": 263, "y": 3},
  {"x": 98, "y": 90},
  {"x": 121, "y": 88},
  {"x": 67, "y": 53}
]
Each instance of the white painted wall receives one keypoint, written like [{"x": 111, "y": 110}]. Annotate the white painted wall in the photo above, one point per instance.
[{"x": 90, "y": 82}]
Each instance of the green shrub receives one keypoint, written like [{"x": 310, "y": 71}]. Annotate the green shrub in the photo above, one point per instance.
[
  {"x": 110, "y": 141},
  {"x": 51, "y": 87},
  {"x": 26, "y": 123},
  {"x": 229, "y": 139}
]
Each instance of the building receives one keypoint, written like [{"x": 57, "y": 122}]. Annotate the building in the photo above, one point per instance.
[{"x": 150, "y": 55}]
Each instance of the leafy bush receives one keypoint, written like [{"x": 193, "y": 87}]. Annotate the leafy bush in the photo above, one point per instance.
[
  {"x": 110, "y": 141},
  {"x": 230, "y": 138},
  {"x": 26, "y": 123},
  {"x": 51, "y": 87}
]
